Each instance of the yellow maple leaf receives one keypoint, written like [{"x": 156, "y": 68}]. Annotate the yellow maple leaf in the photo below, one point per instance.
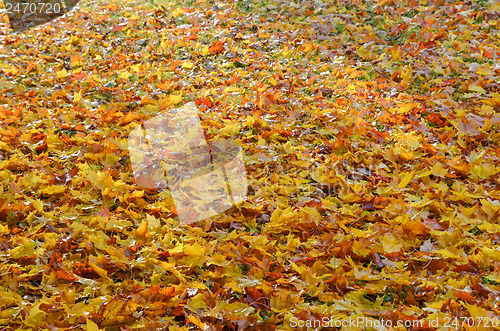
[
  {"x": 26, "y": 249},
  {"x": 390, "y": 244},
  {"x": 360, "y": 249},
  {"x": 286, "y": 52},
  {"x": 100, "y": 179},
  {"x": 142, "y": 231},
  {"x": 5, "y": 147},
  {"x": 438, "y": 170},
  {"x": 165, "y": 44},
  {"x": 124, "y": 75},
  {"x": 485, "y": 71},
  {"x": 54, "y": 190},
  {"x": 447, "y": 253},
  {"x": 77, "y": 98},
  {"x": 137, "y": 194},
  {"x": 406, "y": 108},
  {"x": 491, "y": 253},
  {"x": 406, "y": 179},
  {"x": 62, "y": 74},
  {"x": 100, "y": 271},
  {"x": 35, "y": 315},
  {"x": 476, "y": 88},
  {"x": 307, "y": 47},
  {"x": 4, "y": 229},
  {"x": 483, "y": 171},
  {"x": 396, "y": 52},
  {"x": 196, "y": 321},
  {"x": 194, "y": 250},
  {"x": 175, "y": 99},
  {"x": 91, "y": 326},
  {"x": 178, "y": 12},
  {"x": 231, "y": 128},
  {"x": 490, "y": 207}
]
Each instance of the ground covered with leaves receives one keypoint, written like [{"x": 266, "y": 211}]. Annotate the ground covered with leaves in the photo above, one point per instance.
[{"x": 370, "y": 132}]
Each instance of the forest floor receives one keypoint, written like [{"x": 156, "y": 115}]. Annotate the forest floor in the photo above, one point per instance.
[{"x": 370, "y": 133}]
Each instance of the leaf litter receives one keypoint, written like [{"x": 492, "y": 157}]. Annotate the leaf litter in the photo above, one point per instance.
[{"x": 370, "y": 132}]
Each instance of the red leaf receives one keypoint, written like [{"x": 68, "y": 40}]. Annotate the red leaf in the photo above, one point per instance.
[
  {"x": 256, "y": 299},
  {"x": 64, "y": 275},
  {"x": 465, "y": 296},
  {"x": 216, "y": 47}
]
